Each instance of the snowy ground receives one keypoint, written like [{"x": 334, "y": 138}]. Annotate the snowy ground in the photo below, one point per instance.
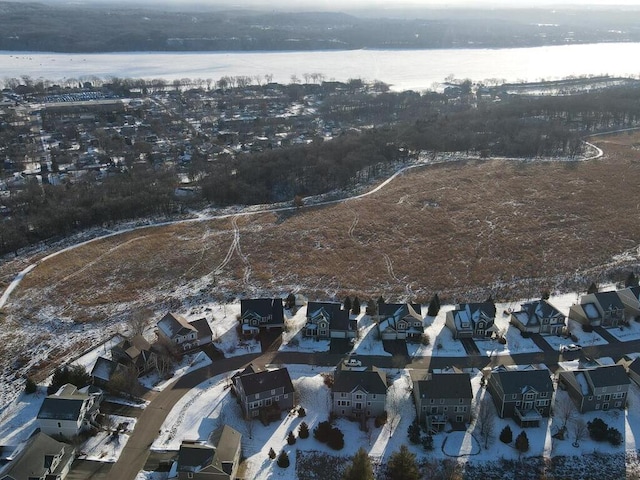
[{"x": 107, "y": 446}]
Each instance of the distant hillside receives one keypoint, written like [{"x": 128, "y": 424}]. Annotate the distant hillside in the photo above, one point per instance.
[{"x": 64, "y": 28}]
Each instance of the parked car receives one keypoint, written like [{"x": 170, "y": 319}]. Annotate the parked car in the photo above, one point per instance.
[
  {"x": 352, "y": 362},
  {"x": 571, "y": 347}
]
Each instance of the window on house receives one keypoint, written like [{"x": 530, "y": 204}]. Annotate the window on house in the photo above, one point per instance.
[
  {"x": 618, "y": 404},
  {"x": 431, "y": 400},
  {"x": 257, "y": 395},
  {"x": 358, "y": 396},
  {"x": 460, "y": 400},
  {"x": 286, "y": 395},
  {"x": 59, "y": 425},
  {"x": 277, "y": 398},
  {"x": 424, "y": 408},
  {"x": 514, "y": 396},
  {"x": 267, "y": 402},
  {"x": 441, "y": 401},
  {"x": 597, "y": 406},
  {"x": 373, "y": 396},
  {"x": 273, "y": 392}
]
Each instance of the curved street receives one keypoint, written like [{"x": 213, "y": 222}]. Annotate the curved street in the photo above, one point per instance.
[{"x": 136, "y": 452}]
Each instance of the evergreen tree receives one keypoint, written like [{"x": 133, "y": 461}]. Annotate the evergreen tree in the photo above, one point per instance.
[
  {"x": 283, "y": 459},
  {"x": 506, "y": 435},
  {"x": 272, "y": 453},
  {"x": 336, "y": 439},
  {"x": 302, "y": 412},
  {"x": 545, "y": 295},
  {"x": 631, "y": 281},
  {"x": 593, "y": 288},
  {"x": 380, "y": 301},
  {"x": 303, "y": 430},
  {"x": 427, "y": 442},
  {"x": 434, "y": 306},
  {"x": 291, "y": 438},
  {"x": 30, "y": 386},
  {"x": 522, "y": 442},
  {"x": 347, "y": 304},
  {"x": 360, "y": 468},
  {"x": 322, "y": 432},
  {"x": 290, "y": 302},
  {"x": 372, "y": 307},
  {"x": 355, "y": 307},
  {"x": 414, "y": 432},
  {"x": 402, "y": 465}
]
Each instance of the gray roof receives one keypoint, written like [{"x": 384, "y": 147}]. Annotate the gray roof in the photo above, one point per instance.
[
  {"x": 517, "y": 381},
  {"x": 635, "y": 366},
  {"x": 266, "y": 380},
  {"x": 103, "y": 369},
  {"x": 609, "y": 300},
  {"x": 195, "y": 457},
  {"x": 173, "y": 325},
  {"x": 444, "y": 385},
  {"x": 202, "y": 326},
  {"x": 370, "y": 381},
  {"x": 608, "y": 376},
  {"x": 397, "y": 309},
  {"x": 533, "y": 312},
  {"x": 62, "y": 408},
  {"x": 34, "y": 461}
]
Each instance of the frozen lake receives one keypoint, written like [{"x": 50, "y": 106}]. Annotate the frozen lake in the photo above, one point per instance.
[{"x": 402, "y": 69}]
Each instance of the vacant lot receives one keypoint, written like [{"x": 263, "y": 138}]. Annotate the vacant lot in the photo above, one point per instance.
[{"x": 465, "y": 230}]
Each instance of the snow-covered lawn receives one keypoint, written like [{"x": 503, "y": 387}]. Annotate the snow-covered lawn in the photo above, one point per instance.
[
  {"x": 187, "y": 364},
  {"x": 585, "y": 339},
  {"x": 626, "y": 334},
  {"x": 293, "y": 338},
  {"x": 18, "y": 421},
  {"x": 106, "y": 446},
  {"x": 441, "y": 341},
  {"x": 88, "y": 360}
]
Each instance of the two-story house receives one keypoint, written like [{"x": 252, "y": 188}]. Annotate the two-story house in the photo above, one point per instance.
[
  {"x": 594, "y": 389},
  {"x": 358, "y": 393},
  {"x": 42, "y": 457},
  {"x": 400, "y": 321},
  {"x": 264, "y": 393},
  {"x": 600, "y": 309},
  {"x": 176, "y": 330},
  {"x": 630, "y": 298},
  {"x": 471, "y": 320},
  {"x": 539, "y": 317},
  {"x": 522, "y": 394},
  {"x": 442, "y": 397},
  {"x": 260, "y": 313},
  {"x": 134, "y": 352},
  {"x": 69, "y": 411},
  {"x": 201, "y": 461},
  {"x": 329, "y": 320}
]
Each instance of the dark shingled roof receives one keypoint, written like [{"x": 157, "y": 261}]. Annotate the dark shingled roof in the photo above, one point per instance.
[
  {"x": 370, "y": 381},
  {"x": 204, "y": 330},
  {"x": 253, "y": 383},
  {"x": 34, "y": 460},
  {"x": 517, "y": 381},
  {"x": 264, "y": 307},
  {"x": 61, "y": 408},
  {"x": 609, "y": 300},
  {"x": 608, "y": 376},
  {"x": 445, "y": 385},
  {"x": 389, "y": 309}
]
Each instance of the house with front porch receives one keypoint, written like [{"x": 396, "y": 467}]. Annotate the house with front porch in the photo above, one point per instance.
[
  {"x": 442, "y": 397},
  {"x": 522, "y": 394},
  {"x": 538, "y": 317},
  {"x": 176, "y": 330},
  {"x": 329, "y": 320},
  {"x": 400, "y": 321},
  {"x": 358, "y": 394},
  {"x": 472, "y": 320},
  {"x": 261, "y": 314},
  {"x": 599, "y": 309},
  {"x": 263, "y": 393},
  {"x": 135, "y": 352},
  {"x": 601, "y": 388}
]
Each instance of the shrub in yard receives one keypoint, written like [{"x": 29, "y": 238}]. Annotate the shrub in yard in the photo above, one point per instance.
[
  {"x": 614, "y": 436},
  {"x": 434, "y": 306},
  {"x": 506, "y": 435},
  {"x": 597, "y": 429},
  {"x": 283, "y": 459},
  {"x": 302, "y": 412},
  {"x": 525, "y": 334},
  {"x": 381, "y": 419},
  {"x": 30, "y": 386},
  {"x": 587, "y": 328},
  {"x": 291, "y": 438},
  {"x": 522, "y": 442},
  {"x": 272, "y": 453},
  {"x": 322, "y": 432},
  {"x": 427, "y": 442},
  {"x": 328, "y": 380},
  {"x": 336, "y": 439},
  {"x": 425, "y": 339},
  {"x": 414, "y": 432},
  {"x": 303, "y": 430}
]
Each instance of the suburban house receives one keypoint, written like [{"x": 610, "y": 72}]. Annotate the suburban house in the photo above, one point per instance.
[
  {"x": 42, "y": 457},
  {"x": 599, "y": 388},
  {"x": 264, "y": 393},
  {"x": 103, "y": 370},
  {"x": 329, "y": 320},
  {"x": 522, "y": 394},
  {"x": 472, "y": 320},
  {"x": 261, "y": 313},
  {"x": 134, "y": 352},
  {"x": 630, "y": 298},
  {"x": 539, "y": 317},
  {"x": 358, "y": 393},
  {"x": 69, "y": 411},
  {"x": 202, "y": 461},
  {"x": 175, "y": 329},
  {"x": 632, "y": 367},
  {"x": 442, "y": 397},
  {"x": 400, "y": 321},
  {"x": 600, "y": 309}
]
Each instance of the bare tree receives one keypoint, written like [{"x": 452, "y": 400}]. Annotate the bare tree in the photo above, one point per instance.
[
  {"x": 138, "y": 321},
  {"x": 564, "y": 410},
  {"x": 485, "y": 421},
  {"x": 393, "y": 408},
  {"x": 579, "y": 430}
]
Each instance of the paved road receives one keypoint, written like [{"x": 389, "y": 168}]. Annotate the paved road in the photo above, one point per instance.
[{"x": 136, "y": 452}]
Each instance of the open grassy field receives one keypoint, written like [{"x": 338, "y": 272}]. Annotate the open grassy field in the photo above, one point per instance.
[{"x": 464, "y": 230}]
